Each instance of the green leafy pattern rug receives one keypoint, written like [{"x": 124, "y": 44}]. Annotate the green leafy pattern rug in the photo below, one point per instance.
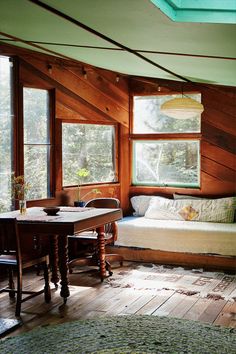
[{"x": 124, "y": 334}]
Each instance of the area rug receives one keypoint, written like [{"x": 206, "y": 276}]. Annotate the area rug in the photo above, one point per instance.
[
  {"x": 216, "y": 285},
  {"x": 124, "y": 334}
]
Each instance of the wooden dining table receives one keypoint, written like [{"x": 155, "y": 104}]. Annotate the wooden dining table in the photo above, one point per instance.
[{"x": 68, "y": 221}]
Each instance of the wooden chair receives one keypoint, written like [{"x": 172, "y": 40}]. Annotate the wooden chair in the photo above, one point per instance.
[
  {"x": 88, "y": 239},
  {"x": 12, "y": 258}
]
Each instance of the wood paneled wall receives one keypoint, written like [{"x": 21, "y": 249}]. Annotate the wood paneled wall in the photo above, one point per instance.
[
  {"x": 87, "y": 94},
  {"x": 218, "y": 142},
  {"x": 82, "y": 93}
]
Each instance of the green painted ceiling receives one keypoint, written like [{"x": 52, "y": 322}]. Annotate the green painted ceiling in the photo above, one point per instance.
[{"x": 200, "y": 52}]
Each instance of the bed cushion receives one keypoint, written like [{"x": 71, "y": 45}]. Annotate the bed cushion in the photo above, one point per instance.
[
  {"x": 208, "y": 210},
  {"x": 177, "y": 236}
]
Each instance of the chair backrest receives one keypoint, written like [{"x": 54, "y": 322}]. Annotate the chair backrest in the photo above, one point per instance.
[
  {"x": 9, "y": 237},
  {"x": 103, "y": 203},
  {"x": 110, "y": 203}
]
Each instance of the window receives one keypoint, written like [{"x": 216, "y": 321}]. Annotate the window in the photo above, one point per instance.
[
  {"x": 89, "y": 146},
  {"x": 148, "y": 119},
  {"x": 6, "y": 133},
  {"x": 166, "y": 151},
  {"x": 37, "y": 142}
]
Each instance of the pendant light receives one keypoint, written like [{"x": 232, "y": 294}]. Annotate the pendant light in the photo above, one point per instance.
[{"x": 182, "y": 108}]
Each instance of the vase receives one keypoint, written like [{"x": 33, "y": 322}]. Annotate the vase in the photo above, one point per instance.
[{"x": 22, "y": 206}]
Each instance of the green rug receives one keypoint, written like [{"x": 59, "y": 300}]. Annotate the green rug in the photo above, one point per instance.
[{"x": 124, "y": 334}]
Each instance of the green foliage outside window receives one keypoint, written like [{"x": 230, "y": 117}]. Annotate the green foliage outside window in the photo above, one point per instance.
[
  {"x": 6, "y": 133},
  {"x": 161, "y": 161},
  {"x": 89, "y": 147}
]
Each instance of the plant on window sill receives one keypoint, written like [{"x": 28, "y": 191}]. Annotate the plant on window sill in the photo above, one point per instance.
[{"x": 82, "y": 174}]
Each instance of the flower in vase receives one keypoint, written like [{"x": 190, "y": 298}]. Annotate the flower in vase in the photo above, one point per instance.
[{"x": 19, "y": 187}]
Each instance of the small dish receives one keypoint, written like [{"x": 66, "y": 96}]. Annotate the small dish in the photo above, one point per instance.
[{"x": 51, "y": 210}]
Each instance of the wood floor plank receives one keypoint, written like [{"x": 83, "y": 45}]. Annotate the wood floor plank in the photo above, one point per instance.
[
  {"x": 90, "y": 299},
  {"x": 143, "y": 300},
  {"x": 118, "y": 304},
  {"x": 183, "y": 306},
  {"x": 161, "y": 297},
  {"x": 212, "y": 311},
  {"x": 227, "y": 317},
  {"x": 169, "y": 305},
  {"x": 197, "y": 309}
]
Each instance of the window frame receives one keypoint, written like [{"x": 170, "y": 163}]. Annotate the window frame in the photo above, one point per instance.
[
  {"x": 13, "y": 73},
  {"x": 51, "y": 145},
  {"x": 157, "y": 137},
  {"x": 115, "y": 151}
]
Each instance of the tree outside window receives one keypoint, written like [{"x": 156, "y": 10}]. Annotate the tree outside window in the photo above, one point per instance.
[
  {"x": 88, "y": 146},
  {"x": 159, "y": 160}
]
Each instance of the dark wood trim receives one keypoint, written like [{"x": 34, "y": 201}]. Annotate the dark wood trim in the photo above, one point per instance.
[
  {"x": 52, "y": 167},
  {"x": 20, "y": 152},
  {"x": 124, "y": 167},
  {"x": 15, "y": 107},
  {"x": 175, "y": 258},
  {"x": 58, "y": 155},
  {"x": 75, "y": 121},
  {"x": 168, "y": 136}
]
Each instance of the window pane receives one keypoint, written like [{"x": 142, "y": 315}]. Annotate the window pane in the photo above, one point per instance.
[
  {"x": 89, "y": 146},
  {"x": 36, "y": 113},
  {"x": 6, "y": 131},
  {"x": 37, "y": 142},
  {"x": 167, "y": 163},
  {"x": 148, "y": 119},
  {"x": 36, "y": 171}
]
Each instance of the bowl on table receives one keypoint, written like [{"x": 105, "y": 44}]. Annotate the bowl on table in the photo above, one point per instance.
[{"x": 52, "y": 210}]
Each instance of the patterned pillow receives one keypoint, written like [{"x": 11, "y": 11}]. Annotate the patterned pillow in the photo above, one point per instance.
[
  {"x": 188, "y": 213},
  {"x": 210, "y": 210}
]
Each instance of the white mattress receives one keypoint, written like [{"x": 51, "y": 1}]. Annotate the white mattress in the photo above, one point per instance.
[{"x": 177, "y": 236}]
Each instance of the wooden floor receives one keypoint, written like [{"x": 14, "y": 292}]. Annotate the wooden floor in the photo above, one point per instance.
[{"x": 91, "y": 298}]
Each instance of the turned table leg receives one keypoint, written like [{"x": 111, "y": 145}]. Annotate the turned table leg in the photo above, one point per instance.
[
  {"x": 63, "y": 266},
  {"x": 54, "y": 259},
  {"x": 101, "y": 250}
]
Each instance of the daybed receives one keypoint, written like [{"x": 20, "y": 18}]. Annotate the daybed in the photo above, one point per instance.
[{"x": 177, "y": 231}]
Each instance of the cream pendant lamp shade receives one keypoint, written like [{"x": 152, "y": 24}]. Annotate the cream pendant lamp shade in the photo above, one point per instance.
[{"x": 182, "y": 108}]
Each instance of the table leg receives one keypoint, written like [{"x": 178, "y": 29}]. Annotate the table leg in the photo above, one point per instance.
[
  {"x": 101, "y": 249},
  {"x": 54, "y": 259},
  {"x": 63, "y": 266}
]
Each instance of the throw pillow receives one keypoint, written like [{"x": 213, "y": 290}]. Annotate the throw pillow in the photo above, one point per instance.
[
  {"x": 188, "y": 213},
  {"x": 209, "y": 210},
  {"x": 140, "y": 203}
]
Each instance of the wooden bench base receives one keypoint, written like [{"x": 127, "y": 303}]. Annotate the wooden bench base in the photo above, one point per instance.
[{"x": 175, "y": 258}]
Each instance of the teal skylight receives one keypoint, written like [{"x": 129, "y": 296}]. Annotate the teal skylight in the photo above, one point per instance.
[{"x": 208, "y": 11}]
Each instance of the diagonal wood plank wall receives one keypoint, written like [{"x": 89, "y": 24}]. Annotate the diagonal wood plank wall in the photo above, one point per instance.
[
  {"x": 218, "y": 142},
  {"x": 85, "y": 93}
]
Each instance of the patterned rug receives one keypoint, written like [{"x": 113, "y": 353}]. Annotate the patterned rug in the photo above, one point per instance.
[
  {"x": 216, "y": 285},
  {"x": 124, "y": 334}
]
